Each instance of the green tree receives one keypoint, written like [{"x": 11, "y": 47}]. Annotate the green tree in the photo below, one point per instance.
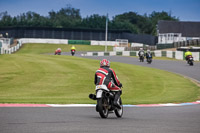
[
  {"x": 6, "y": 19},
  {"x": 156, "y": 16},
  {"x": 69, "y": 17},
  {"x": 66, "y": 17},
  {"x": 124, "y": 25},
  {"x": 94, "y": 21},
  {"x": 139, "y": 24}
]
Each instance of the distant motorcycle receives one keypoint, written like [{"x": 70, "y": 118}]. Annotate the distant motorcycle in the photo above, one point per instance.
[
  {"x": 73, "y": 52},
  {"x": 105, "y": 102},
  {"x": 149, "y": 59},
  {"x": 58, "y": 52},
  {"x": 190, "y": 60},
  {"x": 142, "y": 58}
]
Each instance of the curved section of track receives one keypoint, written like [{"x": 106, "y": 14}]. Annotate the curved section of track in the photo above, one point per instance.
[
  {"x": 175, "y": 66},
  {"x": 180, "y": 67}
]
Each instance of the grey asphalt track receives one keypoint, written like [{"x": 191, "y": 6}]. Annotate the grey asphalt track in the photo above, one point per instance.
[{"x": 183, "y": 119}]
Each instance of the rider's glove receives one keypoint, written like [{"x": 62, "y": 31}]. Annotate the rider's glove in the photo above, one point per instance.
[{"x": 120, "y": 85}]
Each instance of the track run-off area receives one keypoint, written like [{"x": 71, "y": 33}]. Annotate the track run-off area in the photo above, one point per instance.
[{"x": 171, "y": 118}]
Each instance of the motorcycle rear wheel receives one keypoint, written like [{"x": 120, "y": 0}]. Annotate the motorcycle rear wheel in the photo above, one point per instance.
[
  {"x": 190, "y": 63},
  {"x": 149, "y": 61},
  {"x": 141, "y": 59},
  {"x": 119, "y": 112},
  {"x": 102, "y": 105}
]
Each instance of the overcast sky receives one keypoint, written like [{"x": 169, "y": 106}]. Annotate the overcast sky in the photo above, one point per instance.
[{"x": 186, "y": 10}]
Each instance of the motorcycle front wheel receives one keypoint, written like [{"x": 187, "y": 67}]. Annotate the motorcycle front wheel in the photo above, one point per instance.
[
  {"x": 141, "y": 59},
  {"x": 149, "y": 61},
  {"x": 119, "y": 112},
  {"x": 102, "y": 105}
]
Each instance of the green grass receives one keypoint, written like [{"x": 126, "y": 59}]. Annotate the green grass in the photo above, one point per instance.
[
  {"x": 50, "y": 48},
  {"x": 40, "y": 78}
]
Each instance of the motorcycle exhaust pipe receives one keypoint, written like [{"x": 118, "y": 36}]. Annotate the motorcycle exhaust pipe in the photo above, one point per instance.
[
  {"x": 92, "y": 96},
  {"x": 109, "y": 95}
]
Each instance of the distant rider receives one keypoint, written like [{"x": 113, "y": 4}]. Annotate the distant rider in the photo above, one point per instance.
[
  {"x": 187, "y": 54},
  {"x": 58, "y": 51},
  {"x": 73, "y": 48},
  {"x": 106, "y": 76},
  {"x": 141, "y": 53},
  {"x": 149, "y": 54}
]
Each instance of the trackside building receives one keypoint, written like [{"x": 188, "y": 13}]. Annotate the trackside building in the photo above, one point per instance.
[{"x": 173, "y": 31}]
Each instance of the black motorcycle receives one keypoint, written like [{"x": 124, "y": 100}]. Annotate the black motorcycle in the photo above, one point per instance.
[
  {"x": 149, "y": 58},
  {"x": 190, "y": 60},
  {"x": 142, "y": 58},
  {"x": 73, "y": 52},
  {"x": 105, "y": 102}
]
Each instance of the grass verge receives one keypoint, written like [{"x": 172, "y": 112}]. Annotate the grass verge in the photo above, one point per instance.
[
  {"x": 35, "y": 78},
  {"x": 31, "y": 48}
]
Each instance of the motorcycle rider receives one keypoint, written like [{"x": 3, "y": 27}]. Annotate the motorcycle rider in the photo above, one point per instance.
[
  {"x": 58, "y": 50},
  {"x": 149, "y": 54},
  {"x": 107, "y": 76},
  {"x": 73, "y": 48},
  {"x": 141, "y": 53},
  {"x": 187, "y": 54}
]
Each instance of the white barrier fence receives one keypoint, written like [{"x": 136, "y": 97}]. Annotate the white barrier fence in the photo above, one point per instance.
[
  {"x": 7, "y": 50},
  {"x": 51, "y": 41},
  {"x": 103, "y": 43},
  {"x": 38, "y": 40},
  {"x": 137, "y": 45},
  {"x": 158, "y": 53},
  {"x": 170, "y": 54}
]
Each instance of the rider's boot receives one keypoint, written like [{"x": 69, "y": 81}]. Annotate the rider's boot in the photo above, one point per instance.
[{"x": 116, "y": 100}]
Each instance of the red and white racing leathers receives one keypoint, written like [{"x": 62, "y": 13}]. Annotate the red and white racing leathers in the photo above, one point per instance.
[{"x": 106, "y": 76}]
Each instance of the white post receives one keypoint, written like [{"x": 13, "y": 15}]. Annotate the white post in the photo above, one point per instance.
[{"x": 106, "y": 35}]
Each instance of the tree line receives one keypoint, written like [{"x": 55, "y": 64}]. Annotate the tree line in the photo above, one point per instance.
[{"x": 69, "y": 17}]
